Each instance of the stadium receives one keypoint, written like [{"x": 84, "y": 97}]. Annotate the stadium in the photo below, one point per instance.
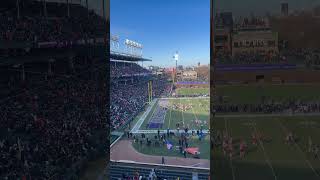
[
  {"x": 266, "y": 103},
  {"x": 159, "y": 91},
  {"x": 159, "y": 124},
  {"x": 53, "y": 86}
]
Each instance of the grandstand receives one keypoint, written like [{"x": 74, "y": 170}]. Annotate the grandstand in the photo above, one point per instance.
[
  {"x": 129, "y": 169},
  {"x": 140, "y": 103},
  {"x": 129, "y": 79},
  {"x": 52, "y": 90}
]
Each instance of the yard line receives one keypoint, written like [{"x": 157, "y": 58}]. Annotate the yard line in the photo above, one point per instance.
[
  {"x": 154, "y": 110},
  {"x": 265, "y": 153},
  {"x": 283, "y": 127},
  {"x": 170, "y": 118},
  {"x": 230, "y": 160},
  {"x": 182, "y": 113},
  {"x": 193, "y": 111},
  {"x": 194, "y": 114}
]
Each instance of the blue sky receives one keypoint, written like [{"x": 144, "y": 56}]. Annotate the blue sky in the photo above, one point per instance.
[{"x": 163, "y": 27}]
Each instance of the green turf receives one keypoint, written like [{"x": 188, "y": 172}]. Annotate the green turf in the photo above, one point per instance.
[
  {"x": 269, "y": 159},
  {"x": 204, "y": 147},
  {"x": 253, "y": 93},
  {"x": 187, "y": 117},
  {"x": 192, "y": 91}
]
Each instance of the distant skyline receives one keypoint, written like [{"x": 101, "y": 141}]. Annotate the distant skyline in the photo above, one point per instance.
[
  {"x": 164, "y": 27},
  {"x": 261, "y": 7}
]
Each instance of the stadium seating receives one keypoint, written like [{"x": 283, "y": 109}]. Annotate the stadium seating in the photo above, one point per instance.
[
  {"x": 126, "y": 69},
  {"x": 57, "y": 27},
  {"x": 118, "y": 171},
  {"x": 128, "y": 100},
  {"x": 64, "y": 115},
  {"x": 52, "y": 122}
]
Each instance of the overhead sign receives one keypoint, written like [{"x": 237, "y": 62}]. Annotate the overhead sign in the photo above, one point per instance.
[
  {"x": 133, "y": 44},
  {"x": 114, "y": 38}
]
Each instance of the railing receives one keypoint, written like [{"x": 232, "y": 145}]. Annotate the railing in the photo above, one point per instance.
[
  {"x": 51, "y": 44},
  {"x": 133, "y": 163}
]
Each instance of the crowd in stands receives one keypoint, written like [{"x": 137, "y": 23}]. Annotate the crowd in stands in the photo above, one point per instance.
[
  {"x": 126, "y": 69},
  {"x": 50, "y": 125},
  {"x": 52, "y": 129},
  {"x": 271, "y": 106},
  {"x": 41, "y": 29},
  {"x": 154, "y": 174},
  {"x": 127, "y": 101}
]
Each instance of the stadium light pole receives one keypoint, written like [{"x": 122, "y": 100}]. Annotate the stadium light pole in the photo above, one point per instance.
[
  {"x": 18, "y": 9},
  {"x": 176, "y": 58},
  {"x": 68, "y": 8},
  {"x": 103, "y": 10},
  {"x": 87, "y": 7},
  {"x": 45, "y": 8}
]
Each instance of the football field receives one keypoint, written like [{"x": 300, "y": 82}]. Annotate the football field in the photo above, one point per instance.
[
  {"x": 174, "y": 113},
  {"x": 192, "y": 91},
  {"x": 203, "y": 145},
  {"x": 253, "y": 93},
  {"x": 272, "y": 158}
]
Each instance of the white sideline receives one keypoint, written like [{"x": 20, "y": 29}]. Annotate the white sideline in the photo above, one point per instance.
[
  {"x": 116, "y": 140},
  {"x": 143, "y": 117}
]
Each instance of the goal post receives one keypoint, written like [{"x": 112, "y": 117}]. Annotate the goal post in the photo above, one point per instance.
[{"x": 150, "y": 90}]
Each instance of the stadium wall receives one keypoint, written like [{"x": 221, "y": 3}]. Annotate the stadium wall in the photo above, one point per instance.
[
  {"x": 179, "y": 170},
  {"x": 193, "y": 84}
]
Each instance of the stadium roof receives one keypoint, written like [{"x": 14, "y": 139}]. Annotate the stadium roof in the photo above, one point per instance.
[{"x": 127, "y": 57}]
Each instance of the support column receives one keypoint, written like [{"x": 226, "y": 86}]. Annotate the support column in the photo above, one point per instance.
[
  {"x": 68, "y": 8},
  {"x": 71, "y": 64},
  {"x": 45, "y": 8},
  {"x": 49, "y": 68},
  {"x": 103, "y": 9},
  {"x": 23, "y": 73},
  {"x": 18, "y": 9},
  {"x": 87, "y": 7},
  {"x": 50, "y": 72}
]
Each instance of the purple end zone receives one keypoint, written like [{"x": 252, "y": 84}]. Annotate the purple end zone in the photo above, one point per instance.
[
  {"x": 191, "y": 82},
  {"x": 155, "y": 125}
]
